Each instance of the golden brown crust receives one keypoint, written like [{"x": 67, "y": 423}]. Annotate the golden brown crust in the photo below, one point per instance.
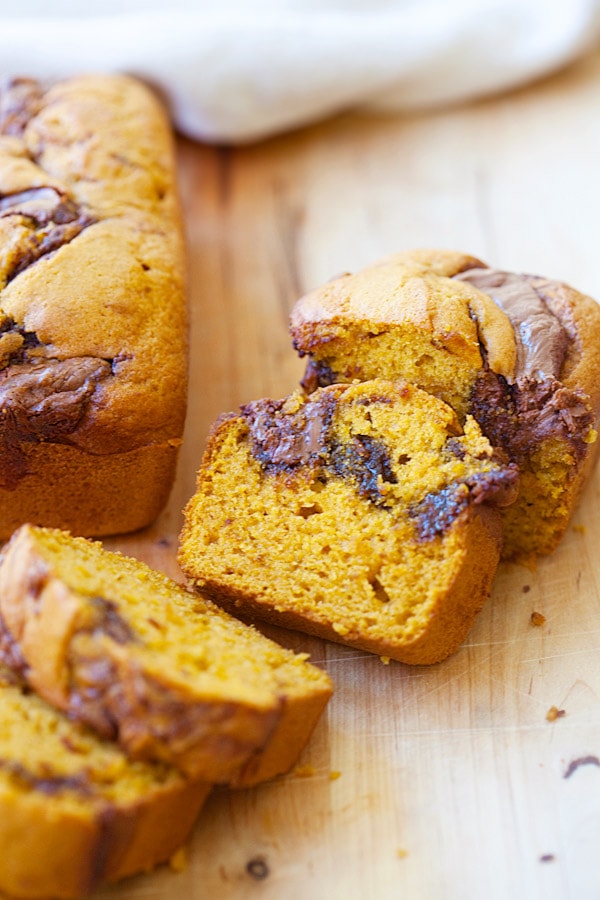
[
  {"x": 90, "y": 178},
  {"x": 63, "y": 482},
  {"x": 47, "y": 852},
  {"x": 299, "y": 715},
  {"x": 413, "y": 290}
]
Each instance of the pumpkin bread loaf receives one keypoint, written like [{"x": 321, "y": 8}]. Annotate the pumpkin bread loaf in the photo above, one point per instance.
[
  {"x": 361, "y": 513},
  {"x": 93, "y": 336},
  {"x": 74, "y": 811},
  {"x": 520, "y": 353},
  {"x": 145, "y": 662}
]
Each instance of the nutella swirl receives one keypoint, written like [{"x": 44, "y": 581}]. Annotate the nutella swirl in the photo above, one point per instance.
[
  {"x": 43, "y": 400},
  {"x": 50, "y": 218},
  {"x": 517, "y": 413},
  {"x": 284, "y": 440},
  {"x": 20, "y": 99},
  {"x": 542, "y": 341}
]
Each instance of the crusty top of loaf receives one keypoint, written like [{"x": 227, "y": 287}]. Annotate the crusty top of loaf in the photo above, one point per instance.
[
  {"x": 413, "y": 289},
  {"x": 111, "y": 287},
  {"x": 419, "y": 290}
]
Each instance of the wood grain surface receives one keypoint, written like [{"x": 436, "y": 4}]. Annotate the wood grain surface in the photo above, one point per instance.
[{"x": 452, "y": 783}]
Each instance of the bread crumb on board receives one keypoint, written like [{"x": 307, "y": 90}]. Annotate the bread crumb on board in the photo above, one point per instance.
[
  {"x": 258, "y": 868},
  {"x": 179, "y": 861},
  {"x": 555, "y": 713},
  {"x": 306, "y": 771},
  {"x": 537, "y": 618},
  {"x": 589, "y": 760},
  {"x": 401, "y": 853}
]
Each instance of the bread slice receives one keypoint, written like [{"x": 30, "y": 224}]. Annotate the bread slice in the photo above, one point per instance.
[
  {"x": 362, "y": 513},
  {"x": 74, "y": 811},
  {"x": 519, "y": 353},
  {"x": 145, "y": 662}
]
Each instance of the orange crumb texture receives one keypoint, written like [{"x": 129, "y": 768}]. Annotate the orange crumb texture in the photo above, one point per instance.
[
  {"x": 385, "y": 660},
  {"x": 537, "y": 618},
  {"x": 555, "y": 713},
  {"x": 334, "y": 775}
]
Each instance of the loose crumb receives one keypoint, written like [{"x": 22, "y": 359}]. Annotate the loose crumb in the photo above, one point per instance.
[
  {"x": 179, "y": 861},
  {"x": 579, "y": 529},
  {"x": 334, "y": 775},
  {"x": 581, "y": 761},
  {"x": 547, "y": 857},
  {"x": 401, "y": 853},
  {"x": 257, "y": 868},
  {"x": 555, "y": 713},
  {"x": 306, "y": 771},
  {"x": 537, "y": 618},
  {"x": 385, "y": 660},
  {"x": 526, "y": 588}
]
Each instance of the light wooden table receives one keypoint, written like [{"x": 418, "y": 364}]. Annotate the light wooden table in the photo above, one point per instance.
[{"x": 453, "y": 784}]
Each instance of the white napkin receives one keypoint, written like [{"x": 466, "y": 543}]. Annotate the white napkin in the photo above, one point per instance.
[{"x": 240, "y": 70}]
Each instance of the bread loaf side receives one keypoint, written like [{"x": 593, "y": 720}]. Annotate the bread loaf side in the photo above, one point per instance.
[{"x": 93, "y": 345}]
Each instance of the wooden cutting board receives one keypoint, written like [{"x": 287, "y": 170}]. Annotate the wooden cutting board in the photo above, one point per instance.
[{"x": 445, "y": 782}]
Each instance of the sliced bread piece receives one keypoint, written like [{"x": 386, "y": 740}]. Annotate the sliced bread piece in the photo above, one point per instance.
[
  {"x": 144, "y": 661},
  {"x": 74, "y": 811},
  {"x": 361, "y": 513}
]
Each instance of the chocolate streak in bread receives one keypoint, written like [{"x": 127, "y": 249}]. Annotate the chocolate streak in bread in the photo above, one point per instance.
[
  {"x": 362, "y": 513},
  {"x": 49, "y": 219},
  {"x": 542, "y": 340},
  {"x": 74, "y": 811},
  {"x": 517, "y": 413},
  {"x": 283, "y": 440},
  {"x": 518, "y": 352},
  {"x": 122, "y": 702},
  {"x": 42, "y": 400}
]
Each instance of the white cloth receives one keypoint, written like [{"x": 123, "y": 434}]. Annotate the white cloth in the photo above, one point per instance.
[{"x": 239, "y": 70}]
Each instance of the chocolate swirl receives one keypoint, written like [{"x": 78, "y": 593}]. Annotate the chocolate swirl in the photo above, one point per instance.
[
  {"x": 50, "y": 219},
  {"x": 517, "y": 413}
]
